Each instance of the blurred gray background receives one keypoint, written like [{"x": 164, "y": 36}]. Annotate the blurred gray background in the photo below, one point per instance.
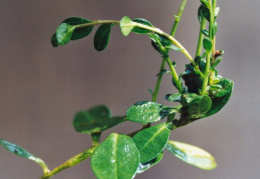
[{"x": 41, "y": 87}]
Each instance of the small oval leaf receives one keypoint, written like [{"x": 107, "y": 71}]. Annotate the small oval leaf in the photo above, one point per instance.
[
  {"x": 205, "y": 32},
  {"x": 117, "y": 157},
  {"x": 95, "y": 120},
  {"x": 102, "y": 37},
  {"x": 81, "y": 32},
  {"x": 173, "y": 97},
  {"x": 139, "y": 30},
  {"x": 216, "y": 63},
  {"x": 64, "y": 33},
  {"x": 192, "y": 155},
  {"x": 17, "y": 150},
  {"x": 126, "y": 25},
  {"x": 207, "y": 44},
  {"x": 145, "y": 112},
  {"x": 203, "y": 12},
  {"x": 151, "y": 141}
]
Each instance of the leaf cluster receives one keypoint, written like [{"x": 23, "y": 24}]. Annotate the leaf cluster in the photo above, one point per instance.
[{"x": 202, "y": 92}]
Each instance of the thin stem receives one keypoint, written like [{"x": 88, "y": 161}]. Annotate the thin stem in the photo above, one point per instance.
[
  {"x": 173, "y": 31},
  {"x": 199, "y": 46},
  {"x": 174, "y": 75},
  {"x": 206, "y": 75},
  {"x": 212, "y": 7},
  {"x": 71, "y": 162},
  {"x": 97, "y": 22},
  {"x": 213, "y": 40},
  {"x": 178, "y": 17},
  {"x": 41, "y": 163},
  {"x": 172, "y": 39},
  {"x": 158, "y": 83}
]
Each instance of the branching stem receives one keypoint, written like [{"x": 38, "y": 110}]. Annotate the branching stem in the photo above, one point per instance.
[
  {"x": 153, "y": 29},
  {"x": 173, "y": 31},
  {"x": 210, "y": 55},
  {"x": 71, "y": 162}
]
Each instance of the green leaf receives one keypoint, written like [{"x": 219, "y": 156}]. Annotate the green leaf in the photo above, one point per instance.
[
  {"x": 222, "y": 97},
  {"x": 192, "y": 155},
  {"x": 203, "y": 12},
  {"x": 81, "y": 32},
  {"x": 205, "y": 32},
  {"x": 145, "y": 112},
  {"x": 102, "y": 36},
  {"x": 126, "y": 25},
  {"x": 64, "y": 33},
  {"x": 150, "y": 91},
  {"x": 95, "y": 120},
  {"x": 156, "y": 43},
  {"x": 194, "y": 80},
  {"x": 195, "y": 105},
  {"x": 141, "y": 30},
  {"x": 216, "y": 63},
  {"x": 17, "y": 150},
  {"x": 205, "y": 3},
  {"x": 215, "y": 87},
  {"x": 207, "y": 44},
  {"x": 151, "y": 141},
  {"x": 161, "y": 43},
  {"x": 117, "y": 157},
  {"x": 147, "y": 165},
  {"x": 163, "y": 71},
  {"x": 136, "y": 25},
  {"x": 173, "y": 97},
  {"x": 54, "y": 41},
  {"x": 227, "y": 86},
  {"x": 173, "y": 47}
]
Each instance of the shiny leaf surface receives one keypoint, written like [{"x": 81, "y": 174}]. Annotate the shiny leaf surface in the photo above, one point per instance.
[
  {"x": 145, "y": 112},
  {"x": 192, "y": 155},
  {"x": 64, "y": 33},
  {"x": 117, "y": 157},
  {"x": 151, "y": 141},
  {"x": 147, "y": 165}
]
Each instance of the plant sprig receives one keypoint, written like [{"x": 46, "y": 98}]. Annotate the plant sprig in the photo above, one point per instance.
[{"x": 201, "y": 93}]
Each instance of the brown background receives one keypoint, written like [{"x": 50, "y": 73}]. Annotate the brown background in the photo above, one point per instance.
[{"x": 43, "y": 87}]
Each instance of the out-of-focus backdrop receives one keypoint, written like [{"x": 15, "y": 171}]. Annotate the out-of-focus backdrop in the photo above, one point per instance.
[{"x": 41, "y": 87}]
